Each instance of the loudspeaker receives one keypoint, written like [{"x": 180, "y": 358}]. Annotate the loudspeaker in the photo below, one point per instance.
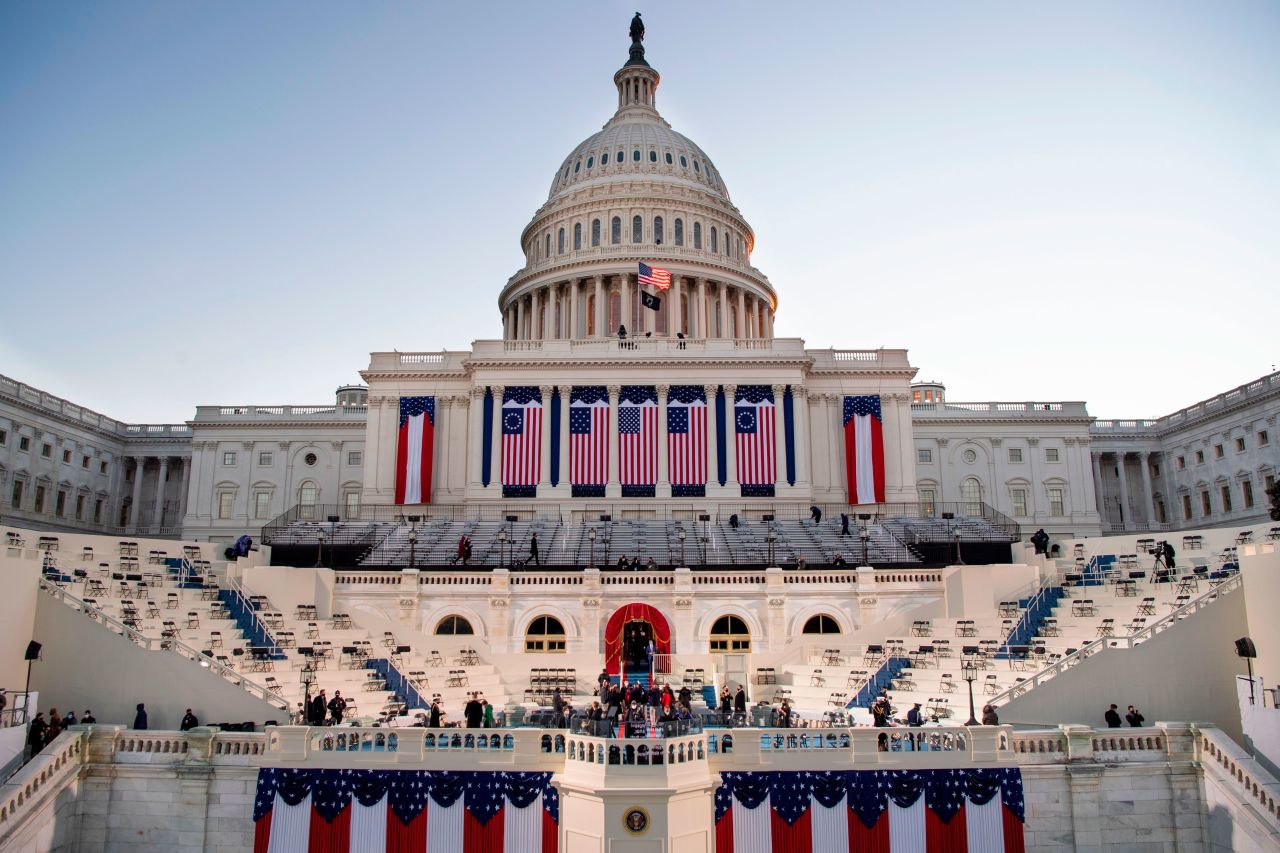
[
  {"x": 948, "y": 515},
  {"x": 704, "y": 517},
  {"x": 606, "y": 518},
  {"x": 33, "y": 650},
  {"x": 766, "y": 518},
  {"x": 1244, "y": 648},
  {"x": 513, "y": 518}
]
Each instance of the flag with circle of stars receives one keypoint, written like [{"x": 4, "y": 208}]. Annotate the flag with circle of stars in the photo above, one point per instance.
[{"x": 753, "y": 418}]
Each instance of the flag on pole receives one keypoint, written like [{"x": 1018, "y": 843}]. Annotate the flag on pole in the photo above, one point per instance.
[
  {"x": 864, "y": 449},
  {"x": 648, "y": 300},
  {"x": 521, "y": 441},
  {"x": 885, "y": 811},
  {"x": 656, "y": 276},
  {"x": 588, "y": 440},
  {"x": 687, "y": 440},
  {"x": 638, "y": 440},
  {"x": 414, "y": 450},
  {"x": 415, "y": 811},
  {"x": 753, "y": 420}
]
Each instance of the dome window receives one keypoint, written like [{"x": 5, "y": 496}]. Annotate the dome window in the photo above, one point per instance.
[
  {"x": 715, "y": 247},
  {"x": 548, "y": 252},
  {"x": 637, "y": 229},
  {"x": 560, "y": 242},
  {"x": 657, "y": 230},
  {"x": 695, "y": 167},
  {"x": 595, "y": 232},
  {"x": 679, "y": 229},
  {"x": 668, "y": 158},
  {"x": 604, "y": 159},
  {"x": 577, "y": 236},
  {"x": 577, "y": 167},
  {"x": 684, "y": 164},
  {"x": 591, "y": 161},
  {"x": 635, "y": 155},
  {"x": 615, "y": 230},
  {"x": 697, "y": 235},
  {"x": 621, "y": 157},
  {"x": 653, "y": 156}
]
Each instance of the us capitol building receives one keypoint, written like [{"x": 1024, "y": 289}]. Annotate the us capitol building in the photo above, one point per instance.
[{"x": 637, "y": 192}]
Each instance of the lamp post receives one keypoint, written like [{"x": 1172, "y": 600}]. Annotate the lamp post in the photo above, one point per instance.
[
  {"x": 319, "y": 547},
  {"x": 502, "y": 547},
  {"x": 413, "y": 542},
  {"x": 771, "y": 538},
  {"x": 681, "y": 535},
  {"x": 308, "y": 678},
  {"x": 970, "y": 670},
  {"x": 865, "y": 535},
  {"x": 591, "y": 538}
]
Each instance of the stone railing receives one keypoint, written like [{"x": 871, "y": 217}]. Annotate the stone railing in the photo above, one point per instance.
[
  {"x": 846, "y": 748},
  {"x": 1205, "y": 408},
  {"x": 1223, "y": 760},
  {"x": 162, "y": 644},
  {"x": 32, "y": 786},
  {"x": 209, "y": 414},
  {"x": 67, "y": 410},
  {"x": 1127, "y": 641},
  {"x": 437, "y": 749},
  {"x": 1000, "y": 410}
]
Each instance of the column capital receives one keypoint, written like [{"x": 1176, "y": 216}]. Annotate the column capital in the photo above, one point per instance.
[
  {"x": 662, "y": 390},
  {"x": 477, "y": 393},
  {"x": 497, "y": 391},
  {"x": 565, "y": 391},
  {"x": 614, "y": 390},
  {"x": 779, "y": 390},
  {"x": 710, "y": 391},
  {"x": 799, "y": 391},
  {"x": 729, "y": 392},
  {"x": 544, "y": 390}
]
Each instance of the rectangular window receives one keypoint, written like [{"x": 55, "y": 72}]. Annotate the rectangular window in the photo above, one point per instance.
[
  {"x": 1186, "y": 507},
  {"x": 1269, "y": 482},
  {"x": 24, "y": 443},
  {"x": 102, "y": 467},
  {"x": 1199, "y": 457},
  {"x": 1155, "y": 470},
  {"x": 46, "y": 450},
  {"x": 1217, "y": 451},
  {"x": 1206, "y": 504},
  {"x": 60, "y": 504},
  {"x": 1057, "y": 505},
  {"x": 16, "y": 499},
  {"x": 97, "y": 511},
  {"x": 353, "y": 504},
  {"x": 224, "y": 504},
  {"x": 928, "y": 497},
  {"x": 1160, "y": 514},
  {"x": 355, "y": 458},
  {"x": 1263, "y": 438},
  {"x": 1019, "y": 501},
  {"x": 265, "y": 459},
  {"x": 1182, "y": 463},
  {"x": 1246, "y": 491},
  {"x": 66, "y": 457},
  {"x": 1226, "y": 499},
  {"x": 80, "y": 507},
  {"x": 39, "y": 499},
  {"x": 84, "y": 462},
  {"x": 262, "y": 505},
  {"x": 229, "y": 457},
  {"x": 1015, "y": 454},
  {"x": 1051, "y": 454},
  {"x": 4, "y": 437},
  {"x": 924, "y": 456},
  {"x": 1240, "y": 445}
]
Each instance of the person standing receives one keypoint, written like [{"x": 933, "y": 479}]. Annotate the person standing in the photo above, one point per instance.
[
  {"x": 1112, "y": 716},
  {"x": 989, "y": 716},
  {"x": 533, "y": 550},
  {"x": 88, "y": 719},
  {"x": 740, "y": 703},
  {"x": 473, "y": 711},
  {"x": 1134, "y": 718},
  {"x": 488, "y": 714},
  {"x": 189, "y": 721},
  {"x": 726, "y": 702},
  {"x": 433, "y": 721},
  {"x": 36, "y": 732},
  {"x": 319, "y": 707},
  {"x": 844, "y": 524},
  {"x": 337, "y": 705},
  {"x": 140, "y": 718}
]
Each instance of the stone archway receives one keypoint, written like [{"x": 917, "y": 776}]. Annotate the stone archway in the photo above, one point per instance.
[{"x": 634, "y": 612}]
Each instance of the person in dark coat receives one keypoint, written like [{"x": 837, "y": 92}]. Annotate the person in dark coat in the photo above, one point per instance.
[
  {"x": 337, "y": 705},
  {"x": 989, "y": 716},
  {"x": 318, "y": 710},
  {"x": 914, "y": 717},
  {"x": 844, "y": 524},
  {"x": 1112, "y": 717},
  {"x": 533, "y": 550},
  {"x": 740, "y": 701},
  {"x": 140, "y": 718},
  {"x": 816, "y": 514},
  {"x": 433, "y": 720},
  {"x": 1168, "y": 555},
  {"x": 1134, "y": 718},
  {"x": 36, "y": 733},
  {"x": 88, "y": 719},
  {"x": 726, "y": 702},
  {"x": 603, "y": 682},
  {"x": 1040, "y": 540},
  {"x": 189, "y": 721},
  {"x": 474, "y": 712},
  {"x": 686, "y": 696}
]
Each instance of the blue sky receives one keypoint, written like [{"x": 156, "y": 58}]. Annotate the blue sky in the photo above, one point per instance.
[{"x": 236, "y": 202}]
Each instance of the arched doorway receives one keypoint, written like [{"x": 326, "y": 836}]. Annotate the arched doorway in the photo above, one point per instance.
[{"x": 618, "y": 630}]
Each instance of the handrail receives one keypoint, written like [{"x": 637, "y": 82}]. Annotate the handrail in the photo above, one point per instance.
[
  {"x": 1127, "y": 641},
  {"x": 150, "y": 644},
  {"x": 236, "y": 588}
]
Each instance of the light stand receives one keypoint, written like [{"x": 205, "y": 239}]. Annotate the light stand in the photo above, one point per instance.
[
  {"x": 970, "y": 670},
  {"x": 32, "y": 655},
  {"x": 681, "y": 535},
  {"x": 591, "y": 538},
  {"x": 771, "y": 537},
  {"x": 502, "y": 547},
  {"x": 413, "y": 543},
  {"x": 308, "y": 678},
  {"x": 319, "y": 547},
  {"x": 865, "y": 535},
  {"x": 1247, "y": 650}
]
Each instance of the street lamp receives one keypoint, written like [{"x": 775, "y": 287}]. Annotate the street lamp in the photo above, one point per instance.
[
  {"x": 319, "y": 547},
  {"x": 413, "y": 542},
  {"x": 970, "y": 670},
  {"x": 591, "y": 536},
  {"x": 308, "y": 678},
  {"x": 502, "y": 546},
  {"x": 681, "y": 535},
  {"x": 771, "y": 537}
]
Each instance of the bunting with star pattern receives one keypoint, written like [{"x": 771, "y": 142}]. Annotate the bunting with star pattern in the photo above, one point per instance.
[
  {"x": 404, "y": 811},
  {"x": 877, "y": 811}
]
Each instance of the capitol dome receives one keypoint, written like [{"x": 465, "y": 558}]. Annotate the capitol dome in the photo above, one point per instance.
[{"x": 637, "y": 192}]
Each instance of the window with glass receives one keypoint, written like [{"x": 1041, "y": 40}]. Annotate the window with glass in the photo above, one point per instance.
[
  {"x": 595, "y": 232},
  {"x": 66, "y": 457},
  {"x": 604, "y": 159},
  {"x": 635, "y": 155},
  {"x": 103, "y": 467},
  {"x": 1263, "y": 438},
  {"x": 1217, "y": 451},
  {"x": 224, "y": 504},
  {"x": 928, "y": 501},
  {"x": 452, "y": 626},
  {"x": 821, "y": 624},
  {"x": 24, "y": 443},
  {"x": 1019, "y": 497},
  {"x": 697, "y": 235},
  {"x": 97, "y": 511},
  {"x": 46, "y": 450},
  {"x": 265, "y": 459},
  {"x": 560, "y": 241},
  {"x": 1051, "y": 454},
  {"x": 971, "y": 495},
  {"x": 924, "y": 456},
  {"x": 1246, "y": 492},
  {"x": 355, "y": 458},
  {"x": 547, "y": 253},
  {"x": 229, "y": 457},
  {"x": 637, "y": 229},
  {"x": 1225, "y": 491},
  {"x": 653, "y": 156},
  {"x": 84, "y": 462},
  {"x": 591, "y": 161},
  {"x": 615, "y": 230},
  {"x": 657, "y": 230},
  {"x": 1057, "y": 502},
  {"x": 678, "y": 227},
  {"x": 262, "y": 505},
  {"x": 15, "y": 499},
  {"x": 1199, "y": 457},
  {"x": 668, "y": 158},
  {"x": 351, "y": 500},
  {"x": 1240, "y": 445},
  {"x": 1015, "y": 454},
  {"x": 60, "y": 504},
  {"x": 308, "y": 497},
  {"x": 577, "y": 236},
  {"x": 715, "y": 247},
  {"x": 1182, "y": 463},
  {"x": 730, "y": 634},
  {"x": 545, "y": 634},
  {"x": 4, "y": 437},
  {"x": 1206, "y": 504}
]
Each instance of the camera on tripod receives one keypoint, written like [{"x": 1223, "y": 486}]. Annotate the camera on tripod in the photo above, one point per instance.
[{"x": 1157, "y": 548}]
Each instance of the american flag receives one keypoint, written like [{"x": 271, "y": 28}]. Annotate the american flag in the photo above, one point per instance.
[
  {"x": 375, "y": 811},
  {"x": 980, "y": 810},
  {"x": 864, "y": 449},
  {"x": 414, "y": 450},
  {"x": 656, "y": 276},
  {"x": 588, "y": 440},
  {"x": 753, "y": 419},
  {"x": 521, "y": 437},
  {"x": 687, "y": 440},
  {"x": 638, "y": 436}
]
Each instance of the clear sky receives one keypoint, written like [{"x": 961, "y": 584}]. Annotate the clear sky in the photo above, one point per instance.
[{"x": 235, "y": 202}]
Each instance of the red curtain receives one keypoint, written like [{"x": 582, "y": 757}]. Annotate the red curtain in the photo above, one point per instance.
[
  {"x": 330, "y": 837},
  {"x": 635, "y": 612}
]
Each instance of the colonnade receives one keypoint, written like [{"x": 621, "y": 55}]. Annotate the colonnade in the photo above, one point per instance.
[
  {"x": 134, "y": 522},
  {"x": 578, "y": 308},
  {"x": 1127, "y": 520}
]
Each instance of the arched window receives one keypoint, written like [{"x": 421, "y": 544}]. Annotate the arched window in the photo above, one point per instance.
[
  {"x": 591, "y": 161},
  {"x": 821, "y": 624},
  {"x": 621, "y": 157},
  {"x": 695, "y": 167},
  {"x": 591, "y": 315},
  {"x": 653, "y": 156},
  {"x": 615, "y": 230},
  {"x": 560, "y": 242},
  {"x": 697, "y": 235},
  {"x": 684, "y": 164},
  {"x": 679, "y": 229},
  {"x": 454, "y": 625},
  {"x": 604, "y": 159},
  {"x": 545, "y": 634},
  {"x": 657, "y": 230},
  {"x": 577, "y": 236},
  {"x": 548, "y": 252},
  {"x": 715, "y": 247},
  {"x": 730, "y": 634},
  {"x": 637, "y": 229},
  {"x": 577, "y": 167},
  {"x": 595, "y": 232},
  {"x": 308, "y": 497},
  {"x": 668, "y": 158},
  {"x": 635, "y": 155},
  {"x": 971, "y": 496}
]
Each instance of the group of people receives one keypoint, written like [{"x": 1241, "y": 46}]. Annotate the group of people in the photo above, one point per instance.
[
  {"x": 636, "y": 706},
  {"x": 638, "y": 647},
  {"x": 463, "y": 554},
  {"x": 634, "y": 563},
  {"x": 323, "y": 711},
  {"x": 44, "y": 730},
  {"x": 1133, "y": 717}
]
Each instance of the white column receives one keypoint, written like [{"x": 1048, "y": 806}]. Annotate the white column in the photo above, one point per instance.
[
  {"x": 495, "y": 437},
  {"x": 700, "y": 317},
  {"x": 740, "y": 331},
  {"x": 575, "y": 296},
  {"x": 135, "y": 507},
  {"x": 1097, "y": 482},
  {"x": 1145, "y": 459},
  {"x": 614, "y": 487},
  {"x": 475, "y": 438},
  {"x": 520, "y": 328},
  {"x": 664, "y": 479},
  {"x": 544, "y": 477},
  {"x": 563, "y": 438},
  {"x": 713, "y": 465},
  {"x": 800, "y": 403},
  {"x": 675, "y": 313},
  {"x": 1125, "y": 513},
  {"x": 731, "y": 442},
  {"x": 440, "y": 451},
  {"x": 186, "y": 486},
  {"x": 626, "y": 314},
  {"x": 780, "y": 435},
  {"x": 601, "y": 308},
  {"x": 535, "y": 316}
]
